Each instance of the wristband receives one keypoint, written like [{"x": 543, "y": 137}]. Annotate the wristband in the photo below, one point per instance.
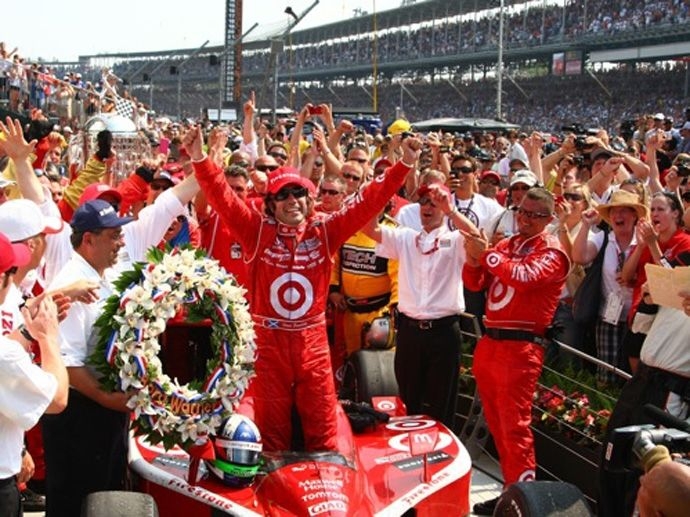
[
  {"x": 26, "y": 334},
  {"x": 406, "y": 164},
  {"x": 203, "y": 157}
]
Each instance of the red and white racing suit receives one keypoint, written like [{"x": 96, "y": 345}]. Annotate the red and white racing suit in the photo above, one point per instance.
[
  {"x": 524, "y": 277},
  {"x": 289, "y": 273}
]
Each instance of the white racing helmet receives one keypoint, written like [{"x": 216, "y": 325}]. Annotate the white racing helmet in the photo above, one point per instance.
[{"x": 238, "y": 452}]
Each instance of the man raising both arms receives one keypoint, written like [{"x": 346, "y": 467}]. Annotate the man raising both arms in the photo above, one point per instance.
[{"x": 289, "y": 250}]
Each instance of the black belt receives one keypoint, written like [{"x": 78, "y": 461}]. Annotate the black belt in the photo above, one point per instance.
[
  {"x": 515, "y": 335},
  {"x": 428, "y": 324},
  {"x": 8, "y": 481},
  {"x": 371, "y": 304}
]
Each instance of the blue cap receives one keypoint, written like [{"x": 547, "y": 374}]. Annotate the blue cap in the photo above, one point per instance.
[{"x": 97, "y": 214}]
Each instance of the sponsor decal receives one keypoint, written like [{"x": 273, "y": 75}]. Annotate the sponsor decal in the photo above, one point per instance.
[
  {"x": 292, "y": 295},
  {"x": 327, "y": 506},
  {"x": 417, "y": 462},
  {"x": 410, "y": 424},
  {"x": 499, "y": 295},
  {"x": 401, "y": 442},
  {"x": 528, "y": 475},
  {"x": 424, "y": 489}
]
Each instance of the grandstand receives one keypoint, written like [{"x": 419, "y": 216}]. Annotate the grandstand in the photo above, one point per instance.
[{"x": 438, "y": 57}]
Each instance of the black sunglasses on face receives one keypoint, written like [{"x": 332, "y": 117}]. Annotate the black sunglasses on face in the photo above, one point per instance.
[
  {"x": 532, "y": 215},
  {"x": 573, "y": 196},
  {"x": 266, "y": 168},
  {"x": 278, "y": 156},
  {"x": 352, "y": 177},
  {"x": 520, "y": 187},
  {"x": 463, "y": 170},
  {"x": 296, "y": 192},
  {"x": 329, "y": 192}
]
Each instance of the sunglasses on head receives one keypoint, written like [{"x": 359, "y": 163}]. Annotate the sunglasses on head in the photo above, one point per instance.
[
  {"x": 266, "y": 168},
  {"x": 463, "y": 170},
  {"x": 318, "y": 163},
  {"x": 329, "y": 192},
  {"x": 532, "y": 215},
  {"x": 573, "y": 196},
  {"x": 296, "y": 192}
]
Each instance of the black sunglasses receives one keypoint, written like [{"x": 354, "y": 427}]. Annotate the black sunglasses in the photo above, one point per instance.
[
  {"x": 329, "y": 192},
  {"x": 573, "y": 197},
  {"x": 267, "y": 168},
  {"x": 463, "y": 170},
  {"x": 296, "y": 192},
  {"x": 278, "y": 156}
]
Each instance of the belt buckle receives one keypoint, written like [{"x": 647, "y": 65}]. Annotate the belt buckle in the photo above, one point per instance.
[{"x": 425, "y": 324}]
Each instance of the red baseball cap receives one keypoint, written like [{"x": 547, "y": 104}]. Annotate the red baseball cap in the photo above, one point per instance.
[
  {"x": 424, "y": 190},
  {"x": 97, "y": 191},
  {"x": 284, "y": 176},
  {"x": 12, "y": 255},
  {"x": 490, "y": 174}
]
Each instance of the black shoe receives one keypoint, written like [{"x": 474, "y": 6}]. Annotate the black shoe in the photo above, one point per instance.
[
  {"x": 32, "y": 502},
  {"x": 485, "y": 507}
]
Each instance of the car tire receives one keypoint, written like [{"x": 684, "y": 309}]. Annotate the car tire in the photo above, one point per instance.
[
  {"x": 541, "y": 499},
  {"x": 369, "y": 373},
  {"x": 119, "y": 503}
]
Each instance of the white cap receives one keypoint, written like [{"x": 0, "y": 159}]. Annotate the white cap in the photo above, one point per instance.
[
  {"x": 659, "y": 116},
  {"x": 21, "y": 219},
  {"x": 686, "y": 126},
  {"x": 524, "y": 176}
]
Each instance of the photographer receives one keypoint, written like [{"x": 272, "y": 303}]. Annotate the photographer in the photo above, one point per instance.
[
  {"x": 662, "y": 379},
  {"x": 665, "y": 486}
]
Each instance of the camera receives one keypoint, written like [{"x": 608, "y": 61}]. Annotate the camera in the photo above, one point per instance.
[
  {"x": 628, "y": 445},
  {"x": 580, "y": 142},
  {"x": 315, "y": 110}
]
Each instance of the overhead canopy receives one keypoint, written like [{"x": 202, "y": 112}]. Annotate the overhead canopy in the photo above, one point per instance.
[{"x": 462, "y": 124}]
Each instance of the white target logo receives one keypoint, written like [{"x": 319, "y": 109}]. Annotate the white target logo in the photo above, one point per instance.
[
  {"x": 492, "y": 259},
  {"x": 499, "y": 296},
  {"x": 292, "y": 295},
  {"x": 401, "y": 442},
  {"x": 385, "y": 405},
  {"x": 410, "y": 425}
]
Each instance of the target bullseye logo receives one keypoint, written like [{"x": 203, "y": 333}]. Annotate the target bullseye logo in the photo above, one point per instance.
[
  {"x": 292, "y": 295},
  {"x": 499, "y": 296}
]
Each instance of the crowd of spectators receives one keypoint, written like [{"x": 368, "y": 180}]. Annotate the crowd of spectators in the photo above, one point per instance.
[{"x": 451, "y": 36}]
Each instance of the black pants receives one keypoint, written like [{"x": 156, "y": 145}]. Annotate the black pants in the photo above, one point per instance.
[
  {"x": 9, "y": 498},
  {"x": 86, "y": 451},
  {"x": 427, "y": 364},
  {"x": 618, "y": 489}
]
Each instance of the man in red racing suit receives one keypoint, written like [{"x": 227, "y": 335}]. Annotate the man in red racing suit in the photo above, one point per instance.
[
  {"x": 289, "y": 253},
  {"x": 524, "y": 275}
]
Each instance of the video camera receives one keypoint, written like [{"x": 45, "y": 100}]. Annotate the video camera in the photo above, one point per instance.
[{"x": 628, "y": 445}]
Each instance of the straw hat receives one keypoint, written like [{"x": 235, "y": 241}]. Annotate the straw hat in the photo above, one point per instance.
[{"x": 625, "y": 199}]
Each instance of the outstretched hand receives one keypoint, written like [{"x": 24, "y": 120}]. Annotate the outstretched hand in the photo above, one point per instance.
[{"x": 15, "y": 145}]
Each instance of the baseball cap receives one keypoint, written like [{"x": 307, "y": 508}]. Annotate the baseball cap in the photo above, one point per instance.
[
  {"x": 490, "y": 174},
  {"x": 424, "y": 189},
  {"x": 98, "y": 191},
  {"x": 659, "y": 116},
  {"x": 285, "y": 176},
  {"x": 21, "y": 219},
  {"x": 686, "y": 126},
  {"x": 165, "y": 176},
  {"x": 97, "y": 214},
  {"x": 382, "y": 162},
  {"x": 599, "y": 152},
  {"x": 12, "y": 255},
  {"x": 399, "y": 126},
  {"x": 524, "y": 176}
]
